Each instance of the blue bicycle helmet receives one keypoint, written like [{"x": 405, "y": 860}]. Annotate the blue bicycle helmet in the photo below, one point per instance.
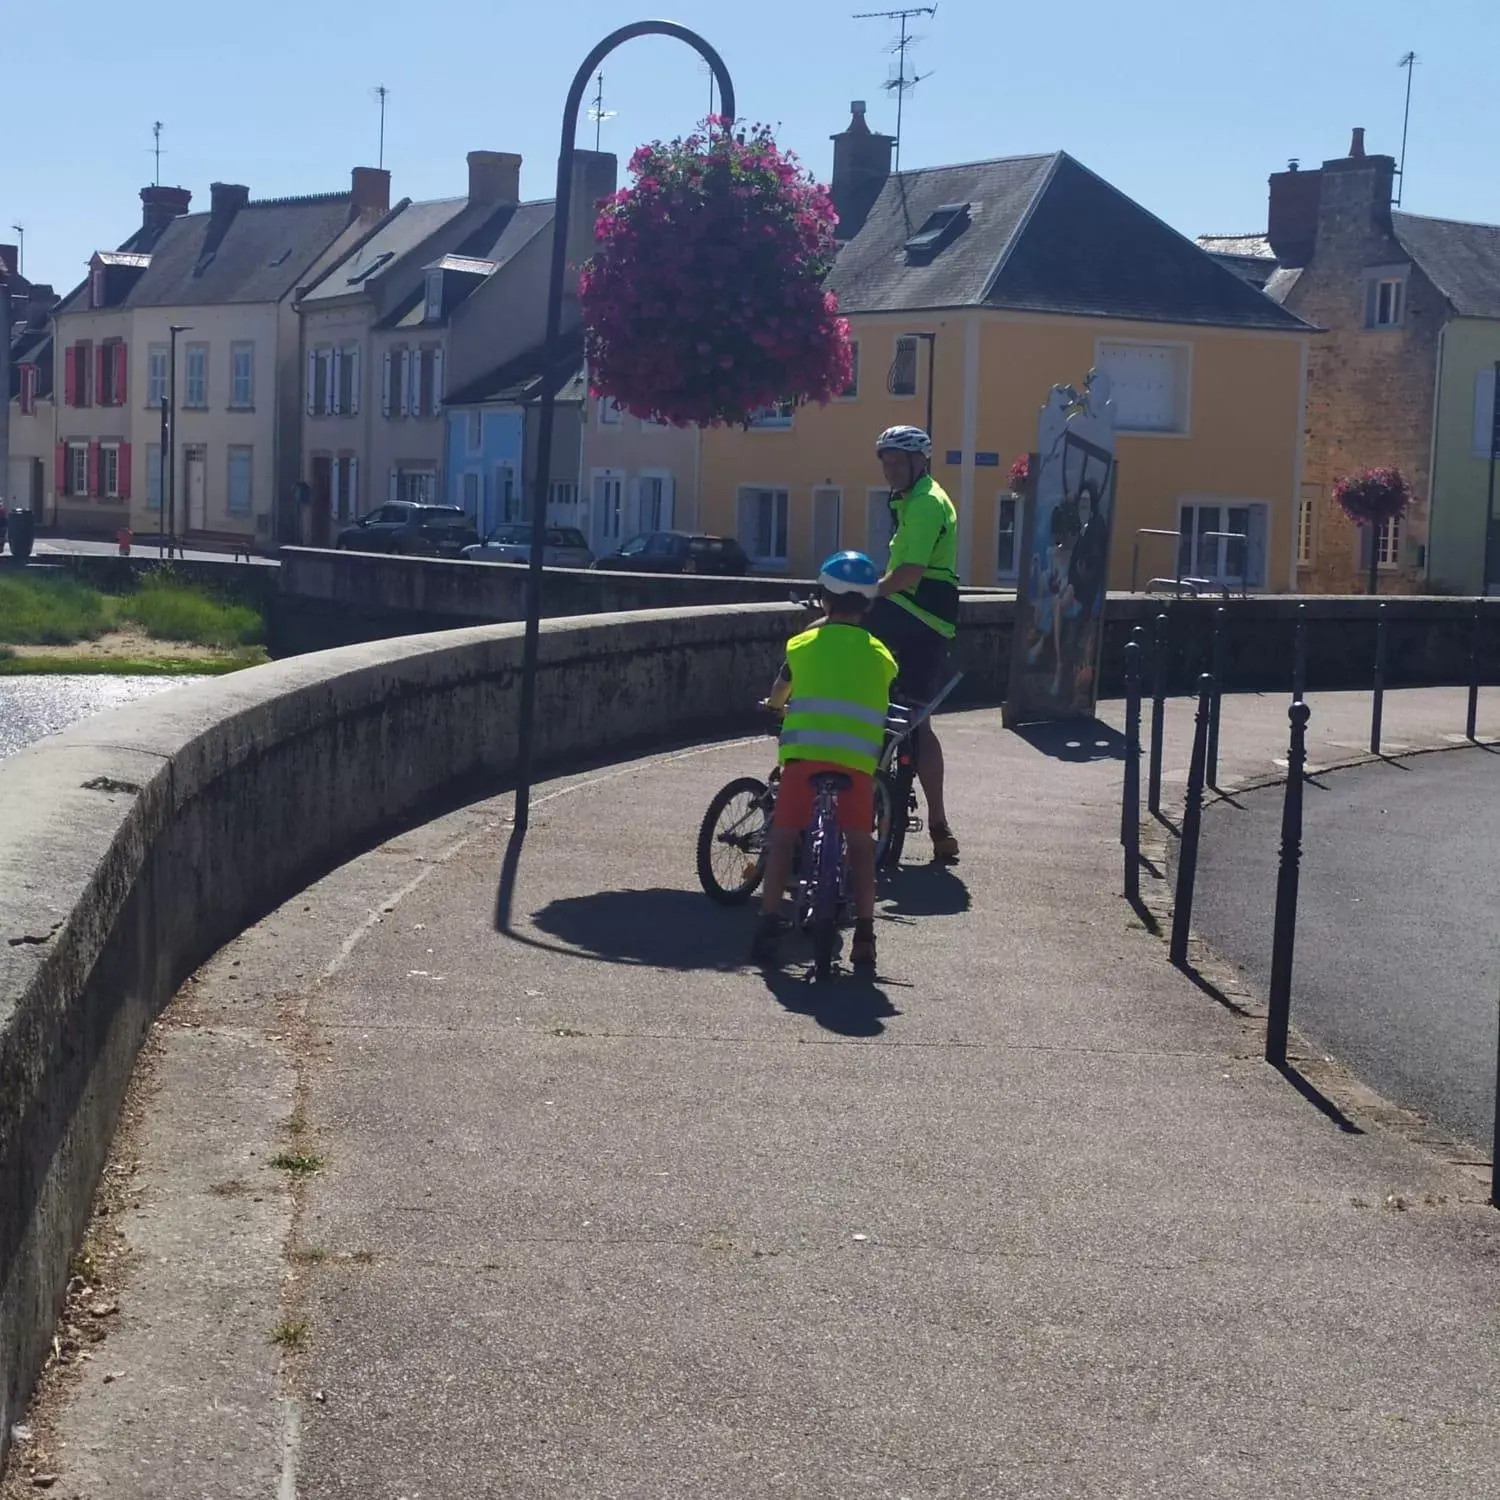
[{"x": 849, "y": 573}]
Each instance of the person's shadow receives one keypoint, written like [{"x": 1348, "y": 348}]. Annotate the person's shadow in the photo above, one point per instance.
[
  {"x": 934, "y": 890},
  {"x": 848, "y": 1005},
  {"x": 654, "y": 928}
]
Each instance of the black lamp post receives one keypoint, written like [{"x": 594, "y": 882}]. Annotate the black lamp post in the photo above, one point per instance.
[
  {"x": 525, "y": 718},
  {"x": 169, "y": 436}
]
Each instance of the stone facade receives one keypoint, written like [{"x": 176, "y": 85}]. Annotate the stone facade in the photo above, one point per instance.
[{"x": 1369, "y": 388}]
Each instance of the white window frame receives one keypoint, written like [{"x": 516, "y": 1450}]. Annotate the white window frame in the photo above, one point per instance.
[
  {"x": 668, "y": 483},
  {"x": 248, "y": 453},
  {"x": 610, "y": 414},
  {"x": 432, "y": 310},
  {"x": 1377, "y": 280},
  {"x": 1388, "y": 540},
  {"x": 1307, "y": 525},
  {"x": 78, "y": 469},
  {"x": 604, "y": 512},
  {"x": 1011, "y": 498},
  {"x": 1183, "y": 414},
  {"x": 109, "y": 471},
  {"x": 812, "y": 520},
  {"x": 158, "y": 365},
  {"x": 765, "y": 561},
  {"x": 779, "y": 418},
  {"x": 1219, "y": 575},
  {"x": 238, "y": 400},
  {"x": 201, "y": 404},
  {"x": 416, "y": 485},
  {"x": 97, "y": 286}
]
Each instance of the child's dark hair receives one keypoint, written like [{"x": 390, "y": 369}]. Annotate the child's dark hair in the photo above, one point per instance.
[{"x": 845, "y": 601}]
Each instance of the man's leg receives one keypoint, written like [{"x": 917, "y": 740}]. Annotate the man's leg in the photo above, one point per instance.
[{"x": 930, "y": 774}]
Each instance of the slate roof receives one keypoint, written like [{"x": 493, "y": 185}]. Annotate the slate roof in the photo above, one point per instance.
[
  {"x": 1462, "y": 260},
  {"x": 257, "y": 254},
  {"x": 519, "y": 380},
  {"x": 408, "y": 226},
  {"x": 1048, "y": 236}
]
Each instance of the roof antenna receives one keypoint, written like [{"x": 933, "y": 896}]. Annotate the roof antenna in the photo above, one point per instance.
[
  {"x": 381, "y": 93},
  {"x": 1409, "y": 62},
  {"x": 20, "y": 230},
  {"x": 156, "y": 149},
  {"x": 899, "y": 84},
  {"x": 598, "y": 114}
]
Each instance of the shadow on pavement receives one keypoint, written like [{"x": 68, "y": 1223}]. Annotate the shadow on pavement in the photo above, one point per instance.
[
  {"x": 656, "y": 928},
  {"x": 848, "y": 1005},
  {"x": 1078, "y": 740},
  {"x": 1317, "y": 1098},
  {"x": 924, "y": 891}
]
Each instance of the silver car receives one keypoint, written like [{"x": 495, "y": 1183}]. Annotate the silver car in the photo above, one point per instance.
[{"x": 564, "y": 547}]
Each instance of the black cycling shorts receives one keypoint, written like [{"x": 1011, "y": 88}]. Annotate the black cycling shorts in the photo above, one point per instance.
[{"x": 921, "y": 653}]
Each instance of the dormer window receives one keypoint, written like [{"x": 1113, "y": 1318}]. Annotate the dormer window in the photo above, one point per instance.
[
  {"x": 434, "y": 311},
  {"x": 97, "y": 288}
]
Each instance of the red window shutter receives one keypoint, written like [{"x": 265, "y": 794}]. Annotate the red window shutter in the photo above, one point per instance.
[
  {"x": 60, "y": 474},
  {"x": 70, "y": 374},
  {"x": 101, "y": 364},
  {"x": 94, "y": 469},
  {"x": 124, "y": 469},
  {"x": 120, "y": 363}
]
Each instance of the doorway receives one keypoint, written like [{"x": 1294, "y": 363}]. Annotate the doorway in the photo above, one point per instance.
[
  {"x": 609, "y": 509},
  {"x": 827, "y": 503},
  {"x": 322, "y": 502},
  {"x": 195, "y": 487}
]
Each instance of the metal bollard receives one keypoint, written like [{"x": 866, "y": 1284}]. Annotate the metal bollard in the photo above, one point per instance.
[
  {"x": 1377, "y": 707},
  {"x": 1158, "y": 708},
  {"x": 1474, "y": 675},
  {"x": 1279, "y": 1012},
  {"x": 1299, "y": 656},
  {"x": 1130, "y": 802},
  {"x": 1192, "y": 822},
  {"x": 1495, "y": 1144},
  {"x": 1218, "y": 677}
]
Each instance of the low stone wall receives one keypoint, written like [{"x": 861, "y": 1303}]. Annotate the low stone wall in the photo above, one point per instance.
[{"x": 136, "y": 843}]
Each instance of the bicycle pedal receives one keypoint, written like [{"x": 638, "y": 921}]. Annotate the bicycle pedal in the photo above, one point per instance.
[{"x": 915, "y": 825}]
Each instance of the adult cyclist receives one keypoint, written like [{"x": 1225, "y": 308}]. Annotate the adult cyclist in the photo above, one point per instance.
[{"x": 916, "y": 613}]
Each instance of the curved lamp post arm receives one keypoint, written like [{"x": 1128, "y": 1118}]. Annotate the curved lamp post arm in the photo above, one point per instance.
[{"x": 526, "y": 714}]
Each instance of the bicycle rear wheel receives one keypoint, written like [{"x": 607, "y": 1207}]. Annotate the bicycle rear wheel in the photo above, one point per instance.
[{"x": 732, "y": 841}]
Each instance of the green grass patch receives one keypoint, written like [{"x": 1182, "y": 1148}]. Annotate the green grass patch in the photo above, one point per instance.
[
  {"x": 298, "y": 1163},
  {"x": 49, "y": 611},
  {"x": 12, "y": 665},
  {"x": 171, "y": 611},
  {"x": 290, "y": 1334}
]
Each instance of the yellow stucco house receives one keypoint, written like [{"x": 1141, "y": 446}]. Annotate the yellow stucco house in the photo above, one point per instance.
[{"x": 970, "y": 290}]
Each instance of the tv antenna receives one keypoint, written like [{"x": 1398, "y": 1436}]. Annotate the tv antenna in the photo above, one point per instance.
[
  {"x": 703, "y": 67},
  {"x": 900, "y": 83},
  {"x": 156, "y": 129},
  {"x": 20, "y": 230},
  {"x": 381, "y": 93},
  {"x": 1409, "y": 62},
  {"x": 598, "y": 114}
]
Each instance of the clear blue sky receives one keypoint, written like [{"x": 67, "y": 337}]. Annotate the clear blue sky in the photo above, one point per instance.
[{"x": 1185, "y": 106}]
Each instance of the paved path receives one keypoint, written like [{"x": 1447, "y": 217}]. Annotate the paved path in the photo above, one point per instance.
[
  {"x": 601, "y": 1212},
  {"x": 1398, "y": 950}
]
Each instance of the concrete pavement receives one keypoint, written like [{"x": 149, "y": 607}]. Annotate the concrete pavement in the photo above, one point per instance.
[{"x": 597, "y": 1210}]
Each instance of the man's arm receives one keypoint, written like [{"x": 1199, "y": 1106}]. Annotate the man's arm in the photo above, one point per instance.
[
  {"x": 912, "y": 546},
  {"x": 902, "y": 577}
]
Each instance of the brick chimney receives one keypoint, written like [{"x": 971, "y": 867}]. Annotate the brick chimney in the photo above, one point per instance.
[
  {"x": 861, "y": 165},
  {"x": 595, "y": 177},
  {"x": 1292, "y": 215},
  {"x": 1355, "y": 200},
  {"x": 494, "y": 177},
  {"x": 40, "y": 300},
  {"x": 226, "y": 199},
  {"x": 370, "y": 190},
  {"x": 160, "y": 205}
]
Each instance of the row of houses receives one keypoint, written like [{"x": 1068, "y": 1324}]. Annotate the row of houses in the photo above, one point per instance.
[{"x": 332, "y": 354}]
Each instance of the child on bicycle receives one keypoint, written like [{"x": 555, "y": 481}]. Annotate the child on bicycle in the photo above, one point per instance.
[{"x": 835, "y": 690}]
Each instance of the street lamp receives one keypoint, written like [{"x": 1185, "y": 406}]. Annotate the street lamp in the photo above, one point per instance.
[
  {"x": 550, "y": 357},
  {"x": 169, "y": 436}
]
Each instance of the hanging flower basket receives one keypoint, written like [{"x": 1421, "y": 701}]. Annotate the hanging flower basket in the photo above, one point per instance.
[
  {"x": 1373, "y": 496},
  {"x": 1020, "y": 472},
  {"x": 704, "y": 302}
]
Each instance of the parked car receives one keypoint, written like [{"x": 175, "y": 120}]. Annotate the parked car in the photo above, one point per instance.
[
  {"x": 562, "y": 547},
  {"x": 677, "y": 552},
  {"x": 416, "y": 530}
]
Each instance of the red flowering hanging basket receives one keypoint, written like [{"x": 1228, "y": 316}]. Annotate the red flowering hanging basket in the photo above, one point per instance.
[
  {"x": 1020, "y": 472},
  {"x": 1373, "y": 496},
  {"x": 704, "y": 302}
]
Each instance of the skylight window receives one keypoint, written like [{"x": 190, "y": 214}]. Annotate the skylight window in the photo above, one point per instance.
[
  {"x": 280, "y": 260},
  {"x": 365, "y": 272},
  {"x": 938, "y": 231}
]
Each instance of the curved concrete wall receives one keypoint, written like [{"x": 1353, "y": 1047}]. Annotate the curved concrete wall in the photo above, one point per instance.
[{"x": 136, "y": 843}]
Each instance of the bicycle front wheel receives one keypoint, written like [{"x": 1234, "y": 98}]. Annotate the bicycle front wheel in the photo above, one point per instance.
[{"x": 732, "y": 841}]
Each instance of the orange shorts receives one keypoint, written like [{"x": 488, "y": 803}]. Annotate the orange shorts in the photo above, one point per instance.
[{"x": 796, "y": 798}]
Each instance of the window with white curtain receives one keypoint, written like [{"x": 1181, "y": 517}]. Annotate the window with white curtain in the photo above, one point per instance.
[
  {"x": 763, "y": 524},
  {"x": 1148, "y": 385}
]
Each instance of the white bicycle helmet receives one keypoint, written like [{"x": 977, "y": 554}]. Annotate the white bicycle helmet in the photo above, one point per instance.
[
  {"x": 904, "y": 440},
  {"x": 849, "y": 573}
]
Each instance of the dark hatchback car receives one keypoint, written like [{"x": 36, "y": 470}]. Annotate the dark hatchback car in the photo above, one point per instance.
[
  {"x": 677, "y": 552},
  {"x": 415, "y": 530}
]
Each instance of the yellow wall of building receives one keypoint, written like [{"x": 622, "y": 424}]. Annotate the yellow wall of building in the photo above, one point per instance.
[
  {"x": 1460, "y": 474},
  {"x": 1244, "y": 396}
]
